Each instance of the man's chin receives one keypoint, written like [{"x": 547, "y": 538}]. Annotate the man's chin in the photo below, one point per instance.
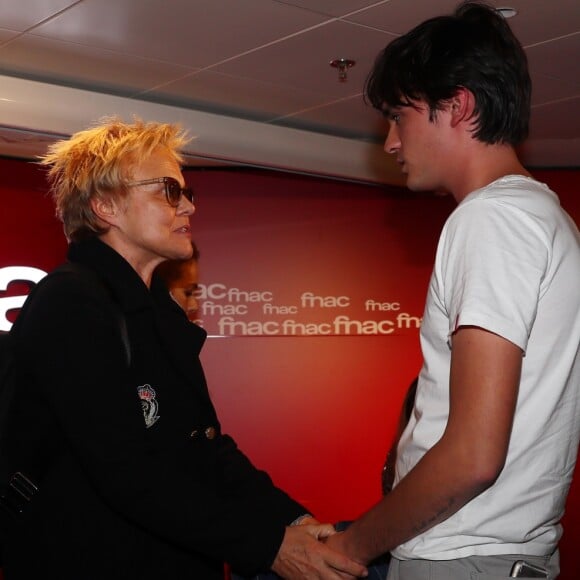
[
  {"x": 413, "y": 185},
  {"x": 422, "y": 187}
]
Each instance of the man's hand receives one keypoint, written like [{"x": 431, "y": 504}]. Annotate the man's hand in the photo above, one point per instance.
[{"x": 303, "y": 557}]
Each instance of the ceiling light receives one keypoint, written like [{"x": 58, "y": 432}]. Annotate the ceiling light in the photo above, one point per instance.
[
  {"x": 507, "y": 12},
  {"x": 342, "y": 64}
]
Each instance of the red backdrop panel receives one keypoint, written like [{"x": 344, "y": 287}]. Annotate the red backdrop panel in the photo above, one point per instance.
[
  {"x": 317, "y": 410},
  {"x": 312, "y": 295}
]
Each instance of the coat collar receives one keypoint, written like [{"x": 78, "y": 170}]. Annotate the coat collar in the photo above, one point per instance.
[
  {"x": 130, "y": 292},
  {"x": 126, "y": 287}
]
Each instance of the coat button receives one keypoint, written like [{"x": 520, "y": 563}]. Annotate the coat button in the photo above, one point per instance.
[{"x": 210, "y": 432}]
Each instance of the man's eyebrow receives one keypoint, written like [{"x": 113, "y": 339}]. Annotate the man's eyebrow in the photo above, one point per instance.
[{"x": 389, "y": 110}]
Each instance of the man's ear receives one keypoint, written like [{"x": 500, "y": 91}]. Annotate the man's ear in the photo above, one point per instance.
[
  {"x": 105, "y": 208},
  {"x": 462, "y": 106}
]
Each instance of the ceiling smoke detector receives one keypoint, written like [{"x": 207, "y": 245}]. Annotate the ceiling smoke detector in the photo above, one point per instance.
[{"x": 342, "y": 64}]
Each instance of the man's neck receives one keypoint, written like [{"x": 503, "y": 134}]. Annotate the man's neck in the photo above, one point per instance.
[{"x": 483, "y": 164}]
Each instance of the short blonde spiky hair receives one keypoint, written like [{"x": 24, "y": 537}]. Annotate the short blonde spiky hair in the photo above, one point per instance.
[{"x": 97, "y": 162}]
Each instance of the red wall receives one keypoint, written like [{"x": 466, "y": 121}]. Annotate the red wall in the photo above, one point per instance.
[{"x": 316, "y": 288}]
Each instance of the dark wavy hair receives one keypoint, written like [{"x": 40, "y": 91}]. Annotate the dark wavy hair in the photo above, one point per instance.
[{"x": 473, "y": 48}]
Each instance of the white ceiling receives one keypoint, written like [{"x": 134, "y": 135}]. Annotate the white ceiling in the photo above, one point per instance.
[{"x": 251, "y": 78}]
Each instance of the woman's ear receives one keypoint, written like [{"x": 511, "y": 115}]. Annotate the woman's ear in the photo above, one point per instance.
[
  {"x": 105, "y": 208},
  {"x": 462, "y": 107}
]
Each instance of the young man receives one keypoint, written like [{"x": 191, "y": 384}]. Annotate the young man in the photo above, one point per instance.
[{"x": 485, "y": 463}]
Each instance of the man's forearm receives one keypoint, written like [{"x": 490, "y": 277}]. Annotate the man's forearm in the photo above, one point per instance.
[{"x": 436, "y": 488}]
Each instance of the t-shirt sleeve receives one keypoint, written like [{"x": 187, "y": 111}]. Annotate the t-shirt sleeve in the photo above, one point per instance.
[{"x": 492, "y": 260}]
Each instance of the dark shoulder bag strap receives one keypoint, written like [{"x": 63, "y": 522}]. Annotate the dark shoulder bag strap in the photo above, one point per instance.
[{"x": 121, "y": 321}]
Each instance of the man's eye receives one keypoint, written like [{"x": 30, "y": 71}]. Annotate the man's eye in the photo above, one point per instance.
[{"x": 395, "y": 118}]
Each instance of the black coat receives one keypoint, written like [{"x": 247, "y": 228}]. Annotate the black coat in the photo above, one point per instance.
[{"x": 118, "y": 498}]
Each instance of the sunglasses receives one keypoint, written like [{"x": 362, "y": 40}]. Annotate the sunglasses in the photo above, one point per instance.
[{"x": 173, "y": 191}]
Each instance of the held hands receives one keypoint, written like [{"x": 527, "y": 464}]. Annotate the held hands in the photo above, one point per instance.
[{"x": 303, "y": 557}]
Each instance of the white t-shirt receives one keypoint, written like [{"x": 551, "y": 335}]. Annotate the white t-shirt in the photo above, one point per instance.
[{"x": 508, "y": 261}]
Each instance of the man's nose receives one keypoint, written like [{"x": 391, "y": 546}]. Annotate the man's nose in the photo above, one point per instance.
[{"x": 392, "y": 142}]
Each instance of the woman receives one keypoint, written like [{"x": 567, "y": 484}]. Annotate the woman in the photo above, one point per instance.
[
  {"x": 181, "y": 279},
  {"x": 112, "y": 418}
]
